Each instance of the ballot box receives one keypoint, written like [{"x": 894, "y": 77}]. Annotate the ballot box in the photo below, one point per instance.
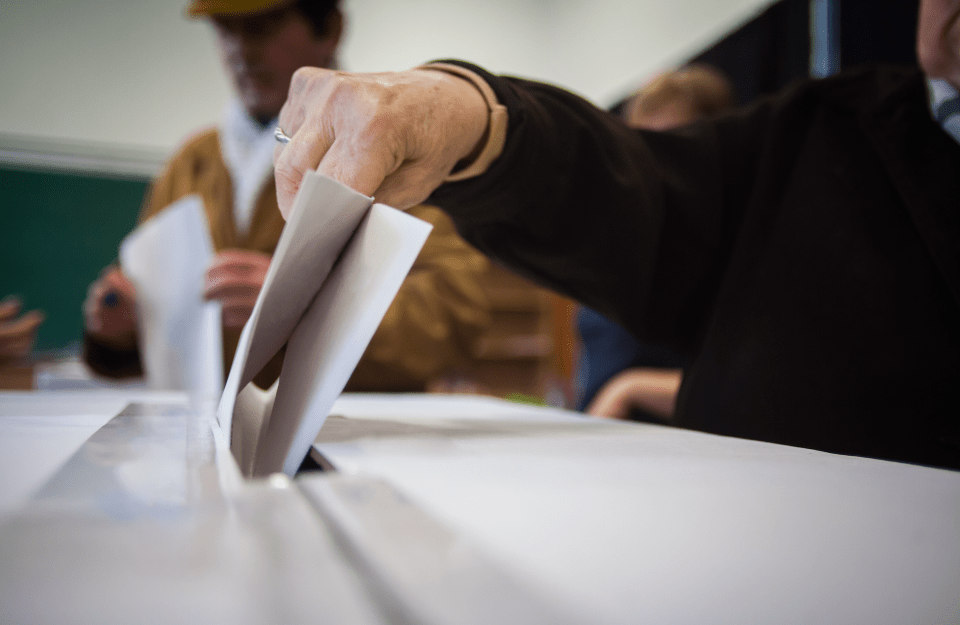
[{"x": 128, "y": 507}]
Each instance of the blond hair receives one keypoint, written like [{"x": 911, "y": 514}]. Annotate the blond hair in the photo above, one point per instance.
[{"x": 700, "y": 89}]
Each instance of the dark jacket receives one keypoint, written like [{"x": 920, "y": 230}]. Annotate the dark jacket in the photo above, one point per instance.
[{"x": 803, "y": 252}]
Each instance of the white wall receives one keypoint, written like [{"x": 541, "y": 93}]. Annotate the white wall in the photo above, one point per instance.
[
  {"x": 599, "y": 48},
  {"x": 130, "y": 73},
  {"x": 136, "y": 75}
]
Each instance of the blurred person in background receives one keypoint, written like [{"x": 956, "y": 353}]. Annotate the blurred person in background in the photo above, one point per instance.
[
  {"x": 617, "y": 376},
  {"x": 441, "y": 307}
]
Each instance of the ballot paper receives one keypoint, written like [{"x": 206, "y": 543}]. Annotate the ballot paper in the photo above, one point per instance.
[
  {"x": 337, "y": 267},
  {"x": 181, "y": 339}
]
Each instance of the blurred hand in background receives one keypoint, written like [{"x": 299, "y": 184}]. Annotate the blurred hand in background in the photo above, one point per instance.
[
  {"x": 110, "y": 310},
  {"x": 235, "y": 279},
  {"x": 18, "y": 333}
]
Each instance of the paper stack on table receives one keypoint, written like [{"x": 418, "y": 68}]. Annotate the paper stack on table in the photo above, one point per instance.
[{"x": 337, "y": 267}]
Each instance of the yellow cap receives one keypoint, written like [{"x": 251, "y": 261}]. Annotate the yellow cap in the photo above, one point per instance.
[{"x": 201, "y": 8}]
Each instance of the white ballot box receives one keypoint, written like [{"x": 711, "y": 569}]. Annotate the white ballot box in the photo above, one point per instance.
[{"x": 458, "y": 509}]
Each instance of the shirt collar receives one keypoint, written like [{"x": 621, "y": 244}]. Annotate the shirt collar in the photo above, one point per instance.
[
  {"x": 244, "y": 129},
  {"x": 945, "y": 106}
]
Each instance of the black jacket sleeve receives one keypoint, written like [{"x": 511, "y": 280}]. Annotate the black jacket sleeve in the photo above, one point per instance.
[{"x": 613, "y": 217}]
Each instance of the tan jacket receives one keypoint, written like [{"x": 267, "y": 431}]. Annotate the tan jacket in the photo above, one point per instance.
[{"x": 431, "y": 326}]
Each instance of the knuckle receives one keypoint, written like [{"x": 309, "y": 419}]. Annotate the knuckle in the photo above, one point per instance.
[
  {"x": 301, "y": 78},
  {"x": 341, "y": 86}
]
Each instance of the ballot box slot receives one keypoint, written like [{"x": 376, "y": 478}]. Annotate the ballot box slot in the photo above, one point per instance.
[{"x": 418, "y": 570}]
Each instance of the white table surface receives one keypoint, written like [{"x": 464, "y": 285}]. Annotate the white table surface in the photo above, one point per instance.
[
  {"x": 608, "y": 522},
  {"x": 640, "y": 523},
  {"x": 147, "y": 520},
  {"x": 39, "y": 431}
]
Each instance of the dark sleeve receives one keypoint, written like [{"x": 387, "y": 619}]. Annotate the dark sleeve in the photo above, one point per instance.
[
  {"x": 613, "y": 217},
  {"x": 109, "y": 361}
]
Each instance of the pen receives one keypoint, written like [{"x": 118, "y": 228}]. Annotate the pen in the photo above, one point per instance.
[{"x": 110, "y": 299}]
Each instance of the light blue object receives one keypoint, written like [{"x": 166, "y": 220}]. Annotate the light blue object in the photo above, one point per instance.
[{"x": 824, "y": 38}]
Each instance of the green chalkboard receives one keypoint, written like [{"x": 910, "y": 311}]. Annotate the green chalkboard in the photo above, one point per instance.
[{"x": 60, "y": 230}]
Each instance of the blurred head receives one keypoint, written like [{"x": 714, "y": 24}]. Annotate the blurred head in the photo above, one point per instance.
[
  {"x": 679, "y": 97},
  {"x": 263, "y": 42},
  {"x": 938, "y": 39}
]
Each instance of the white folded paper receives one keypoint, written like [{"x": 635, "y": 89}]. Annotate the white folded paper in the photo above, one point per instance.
[
  {"x": 181, "y": 341},
  {"x": 337, "y": 267}
]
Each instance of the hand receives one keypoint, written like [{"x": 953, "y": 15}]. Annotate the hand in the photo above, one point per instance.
[
  {"x": 653, "y": 390},
  {"x": 235, "y": 279},
  {"x": 110, "y": 310},
  {"x": 17, "y": 335},
  {"x": 394, "y": 136}
]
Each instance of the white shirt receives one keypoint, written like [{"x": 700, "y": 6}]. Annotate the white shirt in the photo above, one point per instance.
[
  {"x": 247, "y": 149},
  {"x": 945, "y": 106}
]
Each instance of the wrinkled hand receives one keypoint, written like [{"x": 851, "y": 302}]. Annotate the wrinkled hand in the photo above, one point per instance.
[
  {"x": 653, "y": 390},
  {"x": 110, "y": 310},
  {"x": 17, "y": 334},
  {"x": 394, "y": 136},
  {"x": 235, "y": 279}
]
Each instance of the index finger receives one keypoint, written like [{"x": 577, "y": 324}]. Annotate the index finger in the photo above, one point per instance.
[
  {"x": 116, "y": 281},
  {"x": 303, "y": 153},
  {"x": 350, "y": 159},
  {"x": 240, "y": 258},
  {"x": 9, "y": 307},
  {"x": 24, "y": 326}
]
